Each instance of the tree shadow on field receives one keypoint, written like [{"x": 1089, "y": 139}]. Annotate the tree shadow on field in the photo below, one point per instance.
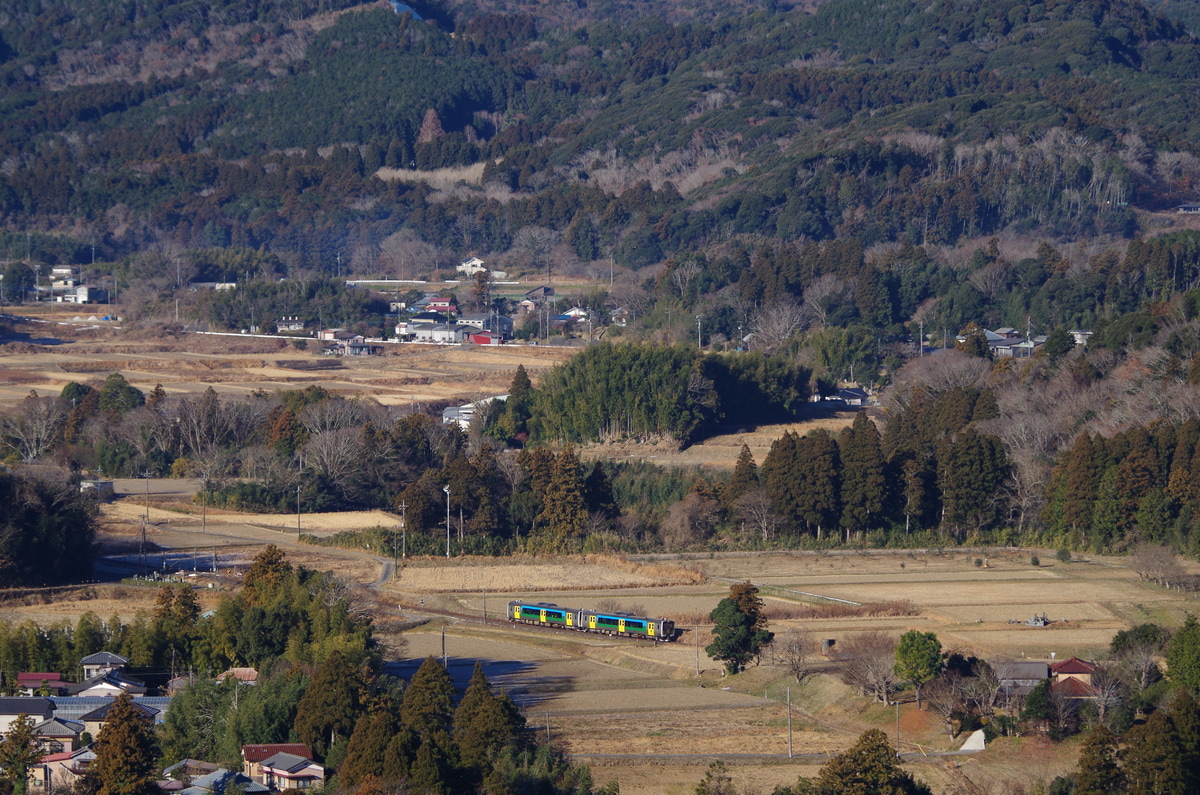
[{"x": 517, "y": 678}]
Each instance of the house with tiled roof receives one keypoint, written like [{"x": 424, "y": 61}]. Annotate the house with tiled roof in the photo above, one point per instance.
[
  {"x": 40, "y": 709},
  {"x": 94, "y": 721},
  {"x": 254, "y": 754},
  {"x": 61, "y": 770},
  {"x": 48, "y": 682},
  {"x": 57, "y": 735},
  {"x": 221, "y": 780},
  {"x": 247, "y": 676},
  {"x": 101, "y": 663},
  {"x": 1073, "y": 668},
  {"x": 110, "y": 684},
  {"x": 284, "y": 771}
]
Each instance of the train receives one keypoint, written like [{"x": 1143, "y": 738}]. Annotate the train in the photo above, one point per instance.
[{"x": 545, "y": 614}]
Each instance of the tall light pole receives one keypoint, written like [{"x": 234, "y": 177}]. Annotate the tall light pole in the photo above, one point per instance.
[
  {"x": 403, "y": 530},
  {"x": 447, "y": 490}
]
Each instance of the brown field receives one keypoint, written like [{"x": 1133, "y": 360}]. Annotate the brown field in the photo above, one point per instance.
[
  {"x": 238, "y": 365},
  {"x": 646, "y": 703},
  {"x": 664, "y": 705}
]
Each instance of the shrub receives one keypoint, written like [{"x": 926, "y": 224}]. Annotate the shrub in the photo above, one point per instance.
[
  {"x": 1063, "y": 555},
  {"x": 1033, "y": 560}
]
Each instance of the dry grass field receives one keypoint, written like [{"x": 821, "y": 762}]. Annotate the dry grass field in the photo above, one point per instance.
[
  {"x": 640, "y": 712},
  {"x": 190, "y": 363},
  {"x": 649, "y": 715}
]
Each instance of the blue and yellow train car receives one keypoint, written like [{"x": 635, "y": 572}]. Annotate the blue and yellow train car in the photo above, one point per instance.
[{"x": 546, "y": 614}]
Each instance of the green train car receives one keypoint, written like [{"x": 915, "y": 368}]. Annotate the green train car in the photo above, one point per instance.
[{"x": 545, "y": 614}]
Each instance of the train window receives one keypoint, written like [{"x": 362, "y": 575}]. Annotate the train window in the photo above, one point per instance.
[
  {"x": 634, "y": 624},
  {"x": 606, "y": 622},
  {"x": 527, "y": 612},
  {"x": 553, "y": 615}
]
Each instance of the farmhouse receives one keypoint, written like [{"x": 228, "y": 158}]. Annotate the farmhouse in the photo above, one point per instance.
[
  {"x": 40, "y": 709},
  {"x": 283, "y": 771},
  {"x": 253, "y": 756},
  {"x": 101, "y": 663}
]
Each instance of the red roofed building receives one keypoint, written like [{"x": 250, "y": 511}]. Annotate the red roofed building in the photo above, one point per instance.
[
  {"x": 255, "y": 754},
  {"x": 1073, "y": 668},
  {"x": 1072, "y": 688},
  {"x": 50, "y": 681}
]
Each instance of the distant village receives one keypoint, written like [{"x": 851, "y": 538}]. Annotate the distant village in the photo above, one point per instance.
[{"x": 69, "y": 716}]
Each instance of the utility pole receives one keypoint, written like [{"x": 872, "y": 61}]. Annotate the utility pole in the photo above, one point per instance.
[
  {"x": 403, "y": 529},
  {"x": 789, "y": 721},
  {"x": 446, "y": 489},
  {"x": 699, "y": 344},
  {"x": 297, "y": 512}
]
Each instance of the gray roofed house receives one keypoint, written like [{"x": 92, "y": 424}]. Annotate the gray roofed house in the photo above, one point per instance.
[
  {"x": 101, "y": 663},
  {"x": 109, "y": 684},
  {"x": 75, "y": 707},
  {"x": 284, "y": 771},
  {"x": 216, "y": 782},
  {"x": 1020, "y": 676},
  {"x": 58, "y": 735},
  {"x": 40, "y": 709}
]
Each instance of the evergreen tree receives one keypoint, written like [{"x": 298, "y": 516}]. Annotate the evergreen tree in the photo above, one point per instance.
[
  {"x": 971, "y": 470},
  {"x": 1183, "y": 656},
  {"x": 564, "y": 514},
  {"x": 1082, "y": 481},
  {"x": 918, "y": 495},
  {"x": 367, "y": 754},
  {"x": 918, "y": 659},
  {"x": 818, "y": 474},
  {"x": 1059, "y": 343},
  {"x": 864, "y": 488},
  {"x": 1185, "y": 715},
  {"x": 484, "y": 723},
  {"x": 428, "y": 700},
  {"x": 1098, "y": 772},
  {"x": 125, "y": 752},
  {"x": 268, "y": 573},
  {"x": 329, "y": 709},
  {"x": 974, "y": 342},
  {"x": 739, "y": 636},
  {"x": 1152, "y": 759},
  {"x": 20, "y": 750},
  {"x": 869, "y": 767},
  {"x": 744, "y": 478},
  {"x": 598, "y": 493}
]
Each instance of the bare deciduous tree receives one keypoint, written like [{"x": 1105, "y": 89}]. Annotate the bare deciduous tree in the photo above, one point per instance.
[
  {"x": 990, "y": 279},
  {"x": 334, "y": 454},
  {"x": 1158, "y": 564},
  {"x": 869, "y": 660},
  {"x": 776, "y": 322},
  {"x": 35, "y": 425},
  {"x": 690, "y": 520},
  {"x": 796, "y": 652},
  {"x": 756, "y": 514},
  {"x": 682, "y": 275},
  {"x": 332, "y": 415},
  {"x": 823, "y": 295},
  {"x": 946, "y": 697}
]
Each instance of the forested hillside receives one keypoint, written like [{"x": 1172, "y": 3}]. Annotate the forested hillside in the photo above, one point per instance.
[{"x": 252, "y": 126}]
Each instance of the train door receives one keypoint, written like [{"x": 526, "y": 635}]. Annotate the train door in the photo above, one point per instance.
[
  {"x": 543, "y": 620},
  {"x": 650, "y": 629},
  {"x": 570, "y": 619},
  {"x": 621, "y": 625},
  {"x": 591, "y": 622},
  {"x": 516, "y": 611}
]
